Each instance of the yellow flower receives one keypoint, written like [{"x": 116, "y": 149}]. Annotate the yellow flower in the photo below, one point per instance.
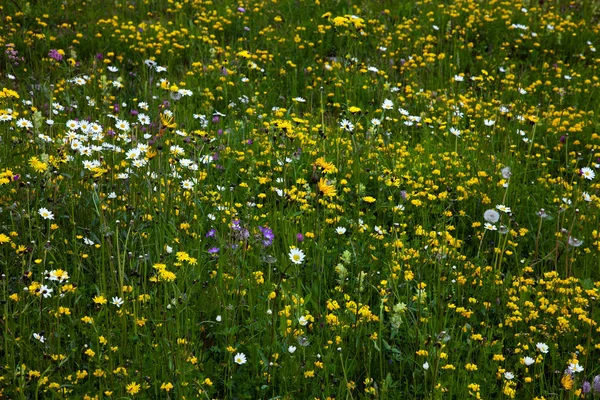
[
  {"x": 369, "y": 199},
  {"x": 100, "y": 300},
  {"x": 133, "y": 388},
  {"x": 567, "y": 381},
  {"x": 167, "y": 121},
  {"x": 38, "y": 165},
  {"x": 166, "y": 386},
  {"x": 471, "y": 367},
  {"x": 326, "y": 189}
]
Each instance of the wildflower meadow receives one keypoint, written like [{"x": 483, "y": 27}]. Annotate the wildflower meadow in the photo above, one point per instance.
[{"x": 299, "y": 199}]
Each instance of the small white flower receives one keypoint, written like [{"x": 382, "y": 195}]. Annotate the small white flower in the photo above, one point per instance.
[
  {"x": 490, "y": 227},
  {"x": 296, "y": 255},
  {"x": 303, "y": 321},
  {"x": 575, "y": 367},
  {"x": 528, "y": 361},
  {"x": 346, "y": 125},
  {"x": 387, "y": 104},
  {"x": 426, "y": 366},
  {"x": 292, "y": 349},
  {"x": 503, "y": 208},
  {"x": 45, "y": 213},
  {"x": 459, "y": 78},
  {"x": 24, "y": 123},
  {"x": 187, "y": 184},
  {"x": 340, "y": 230},
  {"x": 39, "y": 337},
  {"x": 586, "y": 196},
  {"x": 588, "y": 173},
  {"x": 542, "y": 347},
  {"x": 219, "y": 319},
  {"x": 489, "y": 122},
  {"x": 240, "y": 358},
  {"x": 455, "y": 132},
  {"x": 299, "y": 100},
  {"x": 117, "y": 301},
  {"x": 45, "y": 291},
  {"x": 509, "y": 375},
  {"x": 122, "y": 125}
]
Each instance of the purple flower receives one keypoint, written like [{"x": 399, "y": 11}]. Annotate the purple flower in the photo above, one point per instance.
[
  {"x": 241, "y": 9},
  {"x": 213, "y": 250},
  {"x": 54, "y": 54},
  {"x": 268, "y": 236},
  {"x": 596, "y": 383},
  {"x": 300, "y": 237},
  {"x": 586, "y": 387},
  {"x": 211, "y": 233}
]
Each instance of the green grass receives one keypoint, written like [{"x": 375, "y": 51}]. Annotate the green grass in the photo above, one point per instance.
[{"x": 150, "y": 256}]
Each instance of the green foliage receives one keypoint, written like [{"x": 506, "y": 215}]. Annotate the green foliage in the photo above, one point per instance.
[{"x": 299, "y": 199}]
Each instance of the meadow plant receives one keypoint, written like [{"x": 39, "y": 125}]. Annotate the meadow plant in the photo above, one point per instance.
[{"x": 299, "y": 199}]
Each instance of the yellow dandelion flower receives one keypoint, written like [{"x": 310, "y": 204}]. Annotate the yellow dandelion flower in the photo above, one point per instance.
[
  {"x": 326, "y": 189},
  {"x": 133, "y": 388}
]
